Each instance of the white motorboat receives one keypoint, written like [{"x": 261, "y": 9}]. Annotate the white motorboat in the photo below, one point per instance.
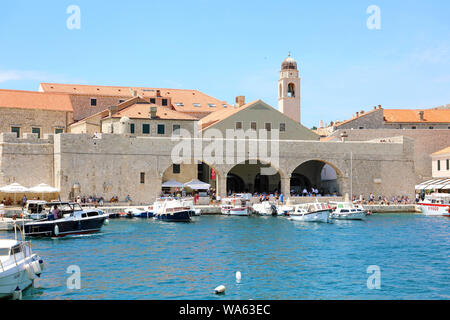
[
  {"x": 285, "y": 210},
  {"x": 311, "y": 212},
  {"x": 37, "y": 209},
  {"x": 7, "y": 224},
  {"x": 234, "y": 207},
  {"x": 19, "y": 266},
  {"x": 436, "y": 204},
  {"x": 172, "y": 211},
  {"x": 347, "y": 211},
  {"x": 265, "y": 208}
]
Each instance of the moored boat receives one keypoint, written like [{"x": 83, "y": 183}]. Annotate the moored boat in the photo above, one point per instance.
[
  {"x": 265, "y": 208},
  {"x": 436, "y": 204},
  {"x": 172, "y": 211},
  {"x": 311, "y": 212},
  {"x": 234, "y": 207},
  {"x": 19, "y": 266},
  {"x": 72, "y": 220},
  {"x": 347, "y": 211}
]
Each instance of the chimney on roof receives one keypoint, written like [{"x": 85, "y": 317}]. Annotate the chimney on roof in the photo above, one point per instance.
[
  {"x": 343, "y": 136},
  {"x": 375, "y": 108},
  {"x": 321, "y": 123},
  {"x": 112, "y": 110},
  {"x": 362, "y": 112},
  {"x": 357, "y": 114},
  {"x": 158, "y": 93},
  {"x": 421, "y": 113},
  {"x": 379, "y": 106},
  {"x": 153, "y": 112},
  {"x": 240, "y": 101}
]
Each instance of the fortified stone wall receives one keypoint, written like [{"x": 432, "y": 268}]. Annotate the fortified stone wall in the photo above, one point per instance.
[
  {"x": 28, "y": 160},
  {"x": 112, "y": 164},
  {"x": 426, "y": 142}
]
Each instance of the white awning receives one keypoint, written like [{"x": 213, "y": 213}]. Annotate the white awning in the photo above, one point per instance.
[
  {"x": 172, "y": 184},
  {"x": 14, "y": 188},
  {"x": 197, "y": 185},
  {"x": 433, "y": 184},
  {"x": 43, "y": 188}
]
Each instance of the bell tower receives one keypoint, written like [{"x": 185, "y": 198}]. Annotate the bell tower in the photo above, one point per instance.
[{"x": 289, "y": 89}]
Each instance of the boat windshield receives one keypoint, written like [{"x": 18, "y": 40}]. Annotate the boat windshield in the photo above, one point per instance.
[{"x": 4, "y": 251}]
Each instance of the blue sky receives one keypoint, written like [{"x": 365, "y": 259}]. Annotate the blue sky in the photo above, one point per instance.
[{"x": 230, "y": 48}]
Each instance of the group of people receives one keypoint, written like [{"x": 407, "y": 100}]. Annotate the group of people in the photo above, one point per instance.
[{"x": 383, "y": 200}]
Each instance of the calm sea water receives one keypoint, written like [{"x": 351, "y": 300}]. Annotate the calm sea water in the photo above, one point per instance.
[{"x": 278, "y": 259}]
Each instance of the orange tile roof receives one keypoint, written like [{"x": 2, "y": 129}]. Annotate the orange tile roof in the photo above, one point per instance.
[
  {"x": 220, "y": 115},
  {"x": 411, "y": 115},
  {"x": 142, "y": 111},
  {"x": 187, "y": 97},
  {"x": 443, "y": 151},
  {"x": 35, "y": 100}
]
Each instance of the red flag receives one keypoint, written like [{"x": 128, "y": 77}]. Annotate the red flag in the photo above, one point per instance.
[{"x": 213, "y": 174}]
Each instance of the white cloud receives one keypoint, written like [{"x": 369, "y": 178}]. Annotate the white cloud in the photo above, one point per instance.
[{"x": 436, "y": 55}]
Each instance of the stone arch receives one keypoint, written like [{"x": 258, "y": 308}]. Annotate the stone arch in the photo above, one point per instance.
[
  {"x": 257, "y": 176},
  {"x": 312, "y": 172},
  {"x": 291, "y": 90}
]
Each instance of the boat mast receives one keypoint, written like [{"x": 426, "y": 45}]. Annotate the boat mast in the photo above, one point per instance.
[{"x": 351, "y": 176}]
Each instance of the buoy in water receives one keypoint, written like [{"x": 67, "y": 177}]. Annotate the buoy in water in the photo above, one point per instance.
[
  {"x": 220, "y": 289},
  {"x": 17, "y": 294},
  {"x": 106, "y": 222},
  {"x": 41, "y": 264},
  {"x": 238, "y": 276}
]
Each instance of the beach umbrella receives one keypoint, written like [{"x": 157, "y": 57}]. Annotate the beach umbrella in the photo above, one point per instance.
[
  {"x": 172, "y": 184},
  {"x": 14, "y": 188},
  {"x": 43, "y": 188},
  {"x": 197, "y": 185}
]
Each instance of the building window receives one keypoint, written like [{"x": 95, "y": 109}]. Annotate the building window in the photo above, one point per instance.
[
  {"x": 36, "y": 130},
  {"x": 176, "y": 129},
  {"x": 268, "y": 126},
  {"x": 448, "y": 164},
  {"x": 59, "y": 130},
  {"x": 439, "y": 165},
  {"x": 16, "y": 130},
  {"x": 282, "y": 127},
  {"x": 176, "y": 169},
  {"x": 253, "y": 125},
  {"x": 93, "y": 102},
  {"x": 238, "y": 125},
  {"x": 414, "y": 127},
  {"x": 291, "y": 90},
  {"x": 225, "y": 106},
  {"x": 121, "y": 101},
  {"x": 132, "y": 128},
  {"x": 161, "y": 129},
  {"x": 164, "y": 102},
  {"x": 360, "y": 128},
  {"x": 152, "y": 100},
  {"x": 431, "y": 128},
  {"x": 197, "y": 105},
  {"x": 211, "y": 105},
  {"x": 145, "y": 128},
  {"x": 179, "y": 104},
  {"x": 142, "y": 177}
]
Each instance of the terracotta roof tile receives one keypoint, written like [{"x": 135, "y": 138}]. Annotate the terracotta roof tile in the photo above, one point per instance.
[
  {"x": 35, "y": 100},
  {"x": 220, "y": 115},
  {"x": 142, "y": 111},
  {"x": 441, "y": 152},
  {"x": 186, "y": 97},
  {"x": 411, "y": 115}
]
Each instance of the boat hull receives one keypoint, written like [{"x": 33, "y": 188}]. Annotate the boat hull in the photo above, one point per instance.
[
  {"x": 316, "y": 216},
  {"x": 235, "y": 212},
  {"x": 431, "y": 209},
  {"x": 65, "y": 227},
  {"x": 15, "y": 277},
  {"x": 349, "y": 216},
  {"x": 179, "y": 216}
]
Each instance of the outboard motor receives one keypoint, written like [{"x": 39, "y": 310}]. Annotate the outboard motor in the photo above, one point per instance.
[{"x": 274, "y": 210}]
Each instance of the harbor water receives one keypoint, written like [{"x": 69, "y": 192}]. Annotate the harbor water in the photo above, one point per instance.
[{"x": 277, "y": 258}]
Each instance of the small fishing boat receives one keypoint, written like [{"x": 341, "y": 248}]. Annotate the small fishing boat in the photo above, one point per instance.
[
  {"x": 347, "y": 211},
  {"x": 311, "y": 212},
  {"x": 436, "y": 204},
  {"x": 235, "y": 207},
  {"x": 285, "y": 210},
  {"x": 19, "y": 266},
  {"x": 72, "y": 220},
  {"x": 172, "y": 211},
  {"x": 138, "y": 213},
  {"x": 265, "y": 208}
]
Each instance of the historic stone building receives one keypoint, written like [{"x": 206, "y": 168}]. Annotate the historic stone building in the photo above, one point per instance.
[{"x": 120, "y": 141}]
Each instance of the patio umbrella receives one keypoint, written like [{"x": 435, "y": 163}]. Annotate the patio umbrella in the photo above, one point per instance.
[
  {"x": 197, "y": 185},
  {"x": 172, "y": 184},
  {"x": 14, "y": 188},
  {"x": 43, "y": 188}
]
